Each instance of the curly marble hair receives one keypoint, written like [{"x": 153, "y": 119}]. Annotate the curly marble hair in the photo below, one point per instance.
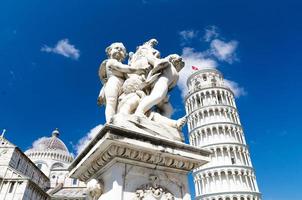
[{"x": 120, "y": 45}]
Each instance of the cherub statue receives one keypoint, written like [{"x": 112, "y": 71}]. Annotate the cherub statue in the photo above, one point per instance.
[
  {"x": 140, "y": 88},
  {"x": 132, "y": 93},
  {"x": 112, "y": 73},
  {"x": 130, "y": 98},
  {"x": 147, "y": 55},
  {"x": 166, "y": 81},
  {"x": 134, "y": 88}
]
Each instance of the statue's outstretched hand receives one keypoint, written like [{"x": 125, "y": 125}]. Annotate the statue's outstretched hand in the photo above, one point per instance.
[{"x": 142, "y": 69}]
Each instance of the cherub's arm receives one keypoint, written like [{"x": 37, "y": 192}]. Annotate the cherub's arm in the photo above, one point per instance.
[
  {"x": 124, "y": 68},
  {"x": 115, "y": 65}
]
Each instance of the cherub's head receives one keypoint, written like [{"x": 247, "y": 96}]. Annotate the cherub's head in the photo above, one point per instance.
[
  {"x": 116, "y": 51},
  {"x": 176, "y": 61},
  {"x": 152, "y": 42}
]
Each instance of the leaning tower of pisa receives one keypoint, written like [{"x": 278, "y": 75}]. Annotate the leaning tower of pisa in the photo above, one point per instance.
[{"x": 214, "y": 124}]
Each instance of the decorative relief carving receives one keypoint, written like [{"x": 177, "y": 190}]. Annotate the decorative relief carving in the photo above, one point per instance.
[
  {"x": 137, "y": 155},
  {"x": 94, "y": 189},
  {"x": 153, "y": 191}
]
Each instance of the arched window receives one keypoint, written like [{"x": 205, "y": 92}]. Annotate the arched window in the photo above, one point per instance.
[
  {"x": 57, "y": 165},
  {"x": 39, "y": 165}
]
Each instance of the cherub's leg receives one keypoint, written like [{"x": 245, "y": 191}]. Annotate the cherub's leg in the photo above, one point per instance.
[
  {"x": 164, "y": 120},
  {"x": 130, "y": 104},
  {"x": 112, "y": 91},
  {"x": 158, "y": 93},
  {"x": 178, "y": 124}
]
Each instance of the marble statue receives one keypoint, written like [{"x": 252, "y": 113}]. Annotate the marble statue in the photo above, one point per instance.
[
  {"x": 146, "y": 54},
  {"x": 167, "y": 80},
  {"x": 138, "y": 91},
  {"x": 112, "y": 74},
  {"x": 94, "y": 189}
]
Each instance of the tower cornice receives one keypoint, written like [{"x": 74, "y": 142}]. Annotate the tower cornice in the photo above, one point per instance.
[
  {"x": 212, "y": 106},
  {"x": 215, "y": 123},
  {"x": 222, "y": 168},
  {"x": 208, "y": 87},
  {"x": 201, "y": 71}
]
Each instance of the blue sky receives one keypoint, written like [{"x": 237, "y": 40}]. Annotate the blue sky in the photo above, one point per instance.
[{"x": 43, "y": 87}]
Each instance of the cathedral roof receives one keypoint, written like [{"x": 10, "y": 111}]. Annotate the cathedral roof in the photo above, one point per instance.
[{"x": 4, "y": 142}]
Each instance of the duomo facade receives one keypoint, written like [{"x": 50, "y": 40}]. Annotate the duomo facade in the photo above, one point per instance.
[{"x": 40, "y": 173}]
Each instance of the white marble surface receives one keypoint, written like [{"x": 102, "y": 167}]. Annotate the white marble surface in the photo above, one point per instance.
[{"x": 126, "y": 181}]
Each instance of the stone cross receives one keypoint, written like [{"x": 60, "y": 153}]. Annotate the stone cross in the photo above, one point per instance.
[{"x": 3, "y": 132}]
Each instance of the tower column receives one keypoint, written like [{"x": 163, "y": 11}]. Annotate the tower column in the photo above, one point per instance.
[{"x": 203, "y": 188}]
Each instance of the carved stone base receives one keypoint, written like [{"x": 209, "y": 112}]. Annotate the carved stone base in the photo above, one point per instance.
[
  {"x": 134, "y": 166},
  {"x": 146, "y": 126}
]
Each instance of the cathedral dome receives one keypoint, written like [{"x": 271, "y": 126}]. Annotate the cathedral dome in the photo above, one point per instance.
[
  {"x": 49, "y": 150},
  {"x": 50, "y": 143}
]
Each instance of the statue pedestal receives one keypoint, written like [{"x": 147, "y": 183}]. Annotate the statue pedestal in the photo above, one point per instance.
[{"x": 132, "y": 165}]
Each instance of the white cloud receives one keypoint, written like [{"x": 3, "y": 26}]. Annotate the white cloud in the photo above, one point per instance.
[
  {"x": 64, "y": 48},
  {"x": 38, "y": 144},
  {"x": 219, "y": 51},
  {"x": 187, "y": 36},
  {"x": 211, "y": 33},
  {"x": 83, "y": 142},
  {"x": 238, "y": 90},
  {"x": 224, "y": 51},
  {"x": 193, "y": 58}
]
